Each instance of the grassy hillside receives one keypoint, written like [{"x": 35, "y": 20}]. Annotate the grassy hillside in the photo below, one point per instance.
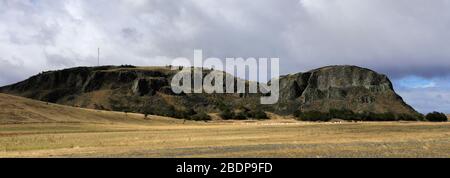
[
  {"x": 18, "y": 110},
  {"x": 34, "y": 129}
]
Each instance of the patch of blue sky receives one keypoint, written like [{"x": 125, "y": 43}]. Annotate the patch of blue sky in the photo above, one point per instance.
[{"x": 413, "y": 82}]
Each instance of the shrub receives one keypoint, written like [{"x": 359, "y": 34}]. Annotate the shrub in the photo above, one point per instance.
[
  {"x": 370, "y": 116},
  {"x": 385, "y": 117},
  {"x": 408, "y": 117},
  {"x": 127, "y": 66},
  {"x": 257, "y": 114},
  {"x": 314, "y": 116},
  {"x": 298, "y": 113},
  {"x": 240, "y": 116},
  {"x": 146, "y": 115},
  {"x": 202, "y": 116},
  {"x": 436, "y": 117},
  {"x": 188, "y": 113},
  {"x": 227, "y": 114},
  {"x": 180, "y": 114},
  {"x": 167, "y": 110},
  {"x": 350, "y": 115},
  {"x": 343, "y": 114}
]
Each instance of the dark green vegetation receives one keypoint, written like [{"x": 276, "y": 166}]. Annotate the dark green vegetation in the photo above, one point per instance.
[
  {"x": 436, "y": 117},
  {"x": 346, "y": 92},
  {"x": 202, "y": 116},
  {"x": 351, "y": 116},
  {"x": 171, "y": 111},
  {"x": 367, "y": 116},
  {"x": 243, "y": 114}
]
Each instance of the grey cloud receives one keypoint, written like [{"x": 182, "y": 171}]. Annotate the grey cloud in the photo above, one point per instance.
[
  {"x": 428, "y": 100},
  {"x": 438, "y": 70},
  {"x": 56, "y": 60},
  {"x": 47, "y": 34},
  {"x": 11, "y": 73},
  {"x": 131, "y": 34}
]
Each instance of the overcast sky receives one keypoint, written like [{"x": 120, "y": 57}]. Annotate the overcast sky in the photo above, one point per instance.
[{"x": 409, "y": 40}]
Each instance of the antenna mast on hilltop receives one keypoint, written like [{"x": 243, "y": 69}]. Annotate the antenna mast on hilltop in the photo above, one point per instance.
[{"x": 98, "y": 57}]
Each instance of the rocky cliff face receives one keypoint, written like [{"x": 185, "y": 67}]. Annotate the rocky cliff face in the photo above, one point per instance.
[
  {"x": 340, "y": 87},
  {"x": 140, "y": 89},
  {"x": 61, "y": 86},
  {"x": 128, "y": 89}
]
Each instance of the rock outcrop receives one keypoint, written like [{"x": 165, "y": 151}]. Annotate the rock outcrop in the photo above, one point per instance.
[
  {"x": 342, "y": 88},
  {"x": 144, "y": 89}
]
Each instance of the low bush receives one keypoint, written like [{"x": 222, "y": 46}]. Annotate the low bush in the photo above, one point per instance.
[
  {"x": 378, "y": 117},
  {"x": 227, "y": 114},
  {"x": 127, "y": 66},
  {"x": 202, "y": 116},
  {"x": 343, "y": 114},
  {"x": 167, "y": 110},
  {"x": 351, "y": 116},
  {"x": 240, "y": 116},
  {"x": 313, "y": 116},
  {"x": 436, "y": 117},
  {"x": 257, "y": 114},
  {"x": 298, "y": 113},
  {"x": 244, "y": 114},
  {"x": 409, "y": 117}
]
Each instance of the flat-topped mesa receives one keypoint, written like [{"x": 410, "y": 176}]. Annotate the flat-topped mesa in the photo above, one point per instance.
[
  {"x": 148, "y": 89},
  {"x": 342, "y": 88}
]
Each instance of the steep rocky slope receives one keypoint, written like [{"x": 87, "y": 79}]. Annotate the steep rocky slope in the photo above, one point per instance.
[
  {"x": 340, "y": 87},
  {"x": 128, "y": 89}
]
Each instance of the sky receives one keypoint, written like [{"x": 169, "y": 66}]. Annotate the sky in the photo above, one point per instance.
[{"x": 408, "y": 40}]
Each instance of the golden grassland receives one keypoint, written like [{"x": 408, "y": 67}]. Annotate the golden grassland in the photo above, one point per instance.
[{"x": 35, "y": 129}]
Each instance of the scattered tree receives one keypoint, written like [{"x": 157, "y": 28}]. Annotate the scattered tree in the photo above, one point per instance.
[{"x": 436, "y": 117}]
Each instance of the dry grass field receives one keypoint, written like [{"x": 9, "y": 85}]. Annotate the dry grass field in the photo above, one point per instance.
[{"x": 35, "y": 129}]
